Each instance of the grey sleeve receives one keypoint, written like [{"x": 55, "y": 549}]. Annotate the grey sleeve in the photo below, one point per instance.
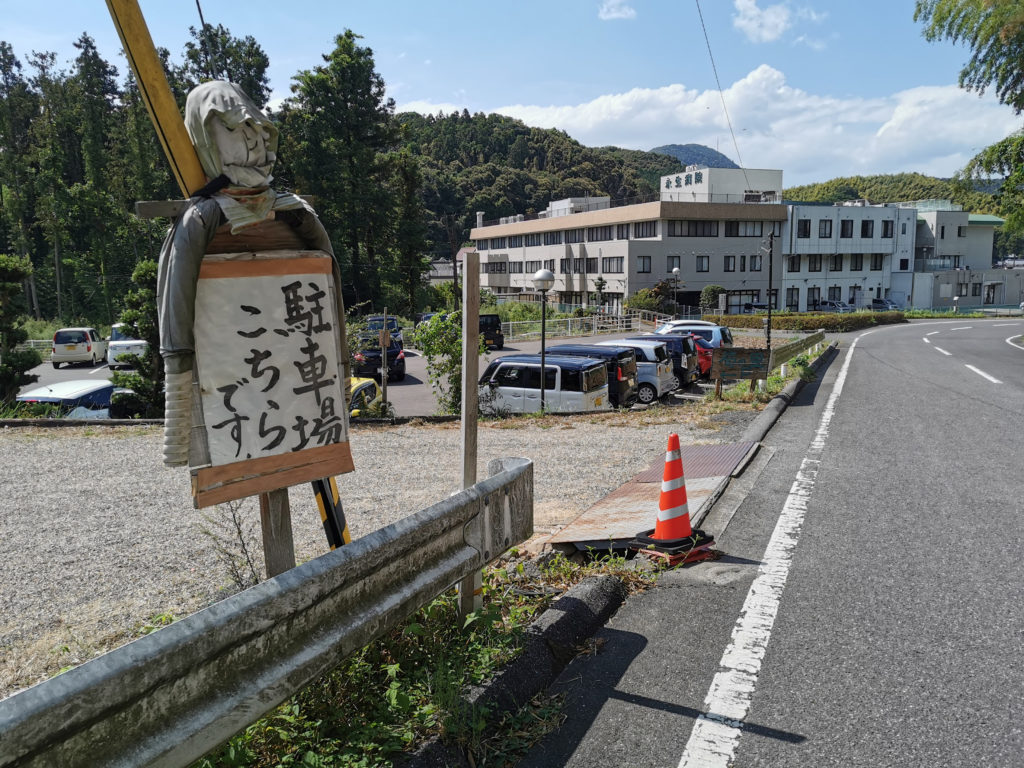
[{"x": 177, "y": 275}]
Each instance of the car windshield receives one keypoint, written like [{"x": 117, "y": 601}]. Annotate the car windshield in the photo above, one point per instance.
[
  {"x": 69, "y": 337},
  {"x": 376, "y": 323},
  {"x": 116, "y": 334}
]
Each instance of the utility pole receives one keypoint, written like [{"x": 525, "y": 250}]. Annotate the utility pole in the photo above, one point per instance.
[{"x": 771, "y": 253}]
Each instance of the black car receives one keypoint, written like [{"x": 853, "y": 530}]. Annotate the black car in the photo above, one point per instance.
[
  {"x": 376, "y": 323},
  {"x": 366, "y": 360},
  {"x": 490, "y": 331}
]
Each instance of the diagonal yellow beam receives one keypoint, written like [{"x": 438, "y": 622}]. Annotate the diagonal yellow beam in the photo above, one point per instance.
[{"x": 156, "y": 93}]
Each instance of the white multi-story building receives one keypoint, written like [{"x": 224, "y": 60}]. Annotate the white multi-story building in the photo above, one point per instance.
[{"x": 715, "y": 225}]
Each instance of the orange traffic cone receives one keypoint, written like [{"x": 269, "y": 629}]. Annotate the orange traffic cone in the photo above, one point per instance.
[
  {"x": 672, "y": 538},
  {"x": 673, "y": 511}
]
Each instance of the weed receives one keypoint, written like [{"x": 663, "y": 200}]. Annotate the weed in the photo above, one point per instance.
[
  {"x": 235, "y": 543},
  {"x": 155, "y": 622}
]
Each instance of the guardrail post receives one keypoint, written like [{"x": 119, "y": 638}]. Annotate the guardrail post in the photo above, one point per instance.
[{"x": 471, "y": 587}]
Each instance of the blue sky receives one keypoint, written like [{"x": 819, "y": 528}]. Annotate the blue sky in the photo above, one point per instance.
[{"x": 819, "y": 89}]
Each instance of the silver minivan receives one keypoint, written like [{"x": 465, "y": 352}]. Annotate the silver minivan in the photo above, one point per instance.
[
  {"x": 653, "y": 367},
  {"x": 511, "y": 384},
  {"x": 715, "y": 335}
]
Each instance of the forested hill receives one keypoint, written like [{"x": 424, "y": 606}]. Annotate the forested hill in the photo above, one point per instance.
[
  {"x": 893, "y": 188},
  {"x": 696, "y": 154},
  {"x": 501, "y": 166}
]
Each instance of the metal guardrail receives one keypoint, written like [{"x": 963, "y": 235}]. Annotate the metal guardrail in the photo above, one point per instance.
[
  {"x": 787, "y": 352},
  {"x": 168, "y": 698},
  {"x": 43, "y": 346}
]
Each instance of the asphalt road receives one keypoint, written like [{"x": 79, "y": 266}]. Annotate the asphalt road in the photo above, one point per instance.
[{"x": 868, "y": 610}]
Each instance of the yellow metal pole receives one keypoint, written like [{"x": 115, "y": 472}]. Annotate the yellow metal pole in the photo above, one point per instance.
[{"x": 156, "y": 93}]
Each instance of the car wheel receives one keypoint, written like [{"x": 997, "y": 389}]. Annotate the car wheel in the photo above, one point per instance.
[
  {"x": 92, "y": 363},
  {"x": 56, "y": 365},
  {"x": 676, "y": 384},
  {"x": 400, "y": 376},
  {"x": 501, "y": 346},
  {"x": 647, "y": 394}
]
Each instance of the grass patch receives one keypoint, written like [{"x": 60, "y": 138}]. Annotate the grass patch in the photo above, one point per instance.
[{"x": 405, "y": 688}]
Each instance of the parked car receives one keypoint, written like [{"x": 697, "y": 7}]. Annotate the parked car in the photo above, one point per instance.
[
  {"x": 621, "y": 362},
  {"x": 654, "y": 368},
  {"x": 366, "y": 393},
  {"x": 77, "y": 345},
  {"x": 716, "y": 335},
  {"x": 376, "y": 323},
  {"x": 511, "y": 384},
  {"x": 883, "y": 305},
  {"x": 683, "y": 352},
  {"x": 669, "y": 324},
  {"x": 123, "y": 344},
  {"x": 79, "y": 398},
  {"x": 425, "y": 317},
  {"x": 705, "y": 356},
  {"x": 490, "y": 331},
  {"x": 831, "y": 305},
  {"x": 366, "y": 361}
]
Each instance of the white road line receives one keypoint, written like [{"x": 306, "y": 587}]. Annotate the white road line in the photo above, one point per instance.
[
  {"x": 717, "y": 732},
  {"x": 926, "y": 340},
  {"x": 1013, "y": 343},
  {"x": 98, "y": 370},
  {"x": 933, "y": 333},
  {"x": 1003, "y": 325},
  {"x": 962, "y": 328},
  {"x": 940, "y": 349},
  {"x": 984, "y": 375}
]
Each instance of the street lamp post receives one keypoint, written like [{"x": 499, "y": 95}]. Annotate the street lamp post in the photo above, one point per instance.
[
  {"x": 543, "y": 280},
  {"x": 675, "y": 293}
]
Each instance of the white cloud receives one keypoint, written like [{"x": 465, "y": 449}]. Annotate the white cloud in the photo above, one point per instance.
[
  {"x": 612, "y": 10},
  {"x": 811, "y": 137},
  {"x": 761, "y": 25}
]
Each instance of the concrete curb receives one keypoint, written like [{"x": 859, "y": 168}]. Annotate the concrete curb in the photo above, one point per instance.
[
  {"x": 552, "y": 641},
  {"x": 765, "y": 420}
]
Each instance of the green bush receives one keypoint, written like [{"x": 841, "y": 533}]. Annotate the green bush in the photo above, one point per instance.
[{"x": 812, "y": 321}]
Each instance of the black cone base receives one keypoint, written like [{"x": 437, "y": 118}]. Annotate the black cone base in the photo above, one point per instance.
[{"x": 698, "y": 540}]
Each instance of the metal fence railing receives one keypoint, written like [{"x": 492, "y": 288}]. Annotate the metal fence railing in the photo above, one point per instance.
[
  {"x": 42, "y": 346},
  {"x": 169, "y": 697}
]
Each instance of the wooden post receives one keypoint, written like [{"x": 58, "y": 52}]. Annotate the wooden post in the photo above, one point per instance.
[
  {"x": 470, "y": 588},
  {"x": 718, "y": 389},
  {"x": 276, "y": 519},
  {"x": 385, "y": 344}
]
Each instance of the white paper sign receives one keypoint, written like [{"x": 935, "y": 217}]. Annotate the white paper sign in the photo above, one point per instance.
[{"x": 267, "y": 361}]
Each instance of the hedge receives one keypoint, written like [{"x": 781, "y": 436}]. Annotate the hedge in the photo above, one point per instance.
[{"x": 811, "y": 321}]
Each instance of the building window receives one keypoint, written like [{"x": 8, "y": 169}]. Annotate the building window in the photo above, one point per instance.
[
  {"x": 565, "y": 266},
  {"x": 867, "y": 228},
  {"x": 846, "y": 228},
  {"x": 904, "y": 265},
  {"x": 498, "y": 243},
  {"x": 887, "y": 228},
  {"x": 854, "y": 290},
  {"x": 534, "y": 240},
  {"x": 876, "y": 261},
  {"x": 533, "y": 266},
  {"x": 813, "y": 297},
  {"x": 549, "y": 264},
  {"x": 643, "y": 264},
  {"x": 671, "y": 263},
  {"x": 677, "y": 228},
  {"x": 515, "y": 241},
  {"x": 835, "y": 293},
  {"x": 803, "y": 228},
  {"x": 703, "y": 263},
  {"x": 856, "y": 262},
  {"x": 515, "y": 267},
  {"x": 755, "y": 262},
  {"x": 481, "y": 245},
  {"x": 824, "y": 228},
  {"x": 622, "y": 232},
  {"x": 743, "y": 263},
  {"x": 793, "y": 264},
  {"x": 574, "y": 235},
  {"x": 599, "y": 234},
  {"x": 730, "y": 263},
  {"x": 645, "y": 228},
  {"x": 814, "y": 262},
  {"x": 775, "y": 228},
  {"x": 961, "y": 231},
  {"x": 793, "y": 299},
  {"x": 591, "y": 264},
  {"x": 836, "y": 262},
  {"x": 942, "y": 232},
  {"x": 611, "y": 264},
  {"x": 744, "y": 228},
  {"x": 553, "y": 238},
  {"x": 903, "y": 228},
  {"x": 975, "y": 289},
  {"x": 961, "y": 289}
]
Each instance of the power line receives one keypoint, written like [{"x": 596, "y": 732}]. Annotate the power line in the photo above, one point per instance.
[{"x": 721, "y": 94}]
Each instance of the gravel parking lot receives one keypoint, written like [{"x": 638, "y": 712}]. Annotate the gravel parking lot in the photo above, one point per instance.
[{"x": 98, "y": 539}]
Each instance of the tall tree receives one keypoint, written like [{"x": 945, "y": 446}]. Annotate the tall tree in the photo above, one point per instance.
[
  {"x": 994, "y": 32},
  {"x": 14, "y": 365},
  {"x": 335, "y": 124},
  {"x": 215, "y": 54},
  {"x": 97, "y": 81},
  {"x": 410, "y": 227}
]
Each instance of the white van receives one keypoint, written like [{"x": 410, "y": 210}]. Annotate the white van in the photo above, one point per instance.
[
  {"x": 653, "y": 367},
  {"x": 511, "y": 384},
  {"x": 714, "y": 335}
]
